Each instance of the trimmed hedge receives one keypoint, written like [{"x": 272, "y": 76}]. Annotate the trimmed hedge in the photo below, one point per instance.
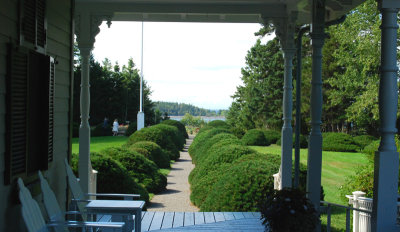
[
  {"x": 113, "y": 177},
  {"x": 364, "y": 140},
  {"x": 255, "y": 137},
  {"x": 173, "y": 132},
  {"x": 141, "y": 169},
  {"x": 242, "y": 186},
  {"x": 202, "y": 150},
  {"x": 154, "y": 153},
  {"x": 339, "y": 142},
  {"x": 202, "y": 187},
  {"x": 303, "y": 141},
  {"x": 272, "y": 136},
  {"x": 202, "y": 137},
  {"x": 371, "y": 148},
  {"x": 158, "y": 136},
  {"x": 218, "y": 123},
  {"x": 218, "y": 156},
  {"x": 178, "y": 125}
]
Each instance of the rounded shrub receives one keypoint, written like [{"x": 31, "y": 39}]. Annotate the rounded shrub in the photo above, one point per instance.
[
  {"x": 202, "y": 150},
  {"x": 154, "y": 153},
  {"x": 241, "y": 187},
  {"x": 303, "y": 141},
  {"x": 220, "y": 155},
  {"x": 202, "y": 187},
  {"x": 371, "y": 148},
  {"x": 364, "y": 140},
  {"x": 218, "y": 123},
  {"x": 339, "y": 142},
  {"x": 113, "y": 177},
  {"x": 177, "y": 124},
  {"x": 362, "y": 180},
  {"x": 156, "y": 135},
  {"x": 272, "y": 135},
  {"x": 255, "y": 137},
  {"x": 141, "y": 169},
  {"x": 174, "y": 133},
  {"x": 202, "y": 137},
  {"x": 238, "y": 132}
]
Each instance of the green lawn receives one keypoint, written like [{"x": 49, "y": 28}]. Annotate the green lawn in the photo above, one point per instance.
[
  {"x": 336, "y": 166},
  {"x": 100, "y": 143}
]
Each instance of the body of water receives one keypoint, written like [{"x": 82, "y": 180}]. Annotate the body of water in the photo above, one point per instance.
[{"x": 205, "y": 118}]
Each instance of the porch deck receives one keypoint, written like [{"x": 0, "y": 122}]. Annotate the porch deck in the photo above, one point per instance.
[{"x": 201, "y": 221}]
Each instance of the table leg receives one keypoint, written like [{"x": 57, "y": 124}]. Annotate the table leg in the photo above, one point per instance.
[{"x": 138, "y": 220}]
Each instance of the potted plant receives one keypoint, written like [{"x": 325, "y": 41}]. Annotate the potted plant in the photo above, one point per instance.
[{"x": 289, "y": 210}]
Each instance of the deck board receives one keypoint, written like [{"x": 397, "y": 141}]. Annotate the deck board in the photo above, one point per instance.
[
  {"x": 238, "y": 215},
  {"x": 157, "y": 221},
  {"x": 168, "y": 220},
  {"x": 147, "y": 220},
  {"x": 209, "y": 217},
  {"x": 189, "y": 219},
  {"x": 229, "y": 216},
  {"x": 198, "y": 218},
  {"x": 248, "y": 215},
  {"x": 219, "y": 216},
  {"x": 178, "y": 219}
]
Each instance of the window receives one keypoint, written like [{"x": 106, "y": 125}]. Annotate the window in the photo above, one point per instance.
[
  {"x": 33, "y": 24},
  {"x": 30, "y": 112}
]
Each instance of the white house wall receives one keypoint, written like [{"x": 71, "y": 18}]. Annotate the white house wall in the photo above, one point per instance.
[{"x": 58, "y": 46}]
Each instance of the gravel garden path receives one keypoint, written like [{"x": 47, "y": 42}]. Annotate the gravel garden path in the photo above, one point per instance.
[{"x": 177, "y": 195}]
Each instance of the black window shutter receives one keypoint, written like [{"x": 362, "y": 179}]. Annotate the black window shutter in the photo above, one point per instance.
[
  {"x": 17, "y": 90},
  {"x": 33, "y": 27},
  {"x": 40, "y": 111},
  {"x": 30, "y": 112}
]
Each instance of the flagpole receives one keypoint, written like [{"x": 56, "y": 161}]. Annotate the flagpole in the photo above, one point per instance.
[{"x": 140, "y": 115}]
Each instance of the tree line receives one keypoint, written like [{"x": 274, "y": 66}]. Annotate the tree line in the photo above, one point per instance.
[
  {"x": 179, "y": 109},
  {"x": 351, "y": 59},
  {"x": 114, "y": 93}
]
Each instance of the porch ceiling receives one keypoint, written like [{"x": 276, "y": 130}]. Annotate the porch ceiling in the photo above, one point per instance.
[{"x": 250, "y": 11}]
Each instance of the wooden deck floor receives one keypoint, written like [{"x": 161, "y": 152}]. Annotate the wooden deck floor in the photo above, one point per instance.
[{"x": 201, "y": 221}]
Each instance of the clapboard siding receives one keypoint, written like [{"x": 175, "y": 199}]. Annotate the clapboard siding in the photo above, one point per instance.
[
  {"x": 2, "y": 84},
  {"x": 9, "y": 8},
  {"x": 59, "y": 46},
  {"x": 58, "y": 34},
  {"x": 3, "y": 67},
  {"x": 61, "y": 90},
  {"x": 8, "y": 26},
  {"x": 62, "y": 103}
]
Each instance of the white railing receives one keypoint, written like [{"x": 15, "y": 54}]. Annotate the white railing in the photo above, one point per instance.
[
  {"x": 362, "y": 210},
  {"x": 277, "y": 180},
  {"x": 361, "y": 220}
]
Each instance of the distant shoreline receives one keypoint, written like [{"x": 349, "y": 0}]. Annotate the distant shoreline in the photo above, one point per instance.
[{"x": 205, "y": 118}]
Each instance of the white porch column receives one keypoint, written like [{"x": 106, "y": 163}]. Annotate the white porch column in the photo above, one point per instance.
[
  {"x": 285, "y": 32},
  {"x": 386, "y": 164},
  {"x": 87, "y": 27},
  {"x": 315, "y": 142}
]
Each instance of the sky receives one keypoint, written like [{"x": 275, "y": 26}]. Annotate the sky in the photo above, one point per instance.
[{"x": 193, "y": 63}]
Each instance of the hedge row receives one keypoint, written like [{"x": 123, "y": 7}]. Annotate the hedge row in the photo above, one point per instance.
[
  {"x": 255, "y": 137},
  {"x": 112, "y": 177},
  {"x": 169, "y": 138},
  {"x": 228, "y": 176}
]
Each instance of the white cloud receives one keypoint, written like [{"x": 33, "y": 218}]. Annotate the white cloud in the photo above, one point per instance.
[{"x": 196, "y": 63}]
